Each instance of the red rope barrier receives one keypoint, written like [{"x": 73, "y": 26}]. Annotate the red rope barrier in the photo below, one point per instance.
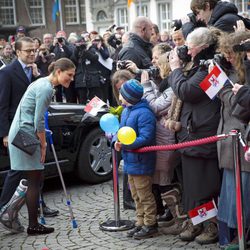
[{"x": 193, "y": 143}]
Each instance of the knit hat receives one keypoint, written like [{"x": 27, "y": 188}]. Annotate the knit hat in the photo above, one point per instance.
[{"x": 132, "y": 91}]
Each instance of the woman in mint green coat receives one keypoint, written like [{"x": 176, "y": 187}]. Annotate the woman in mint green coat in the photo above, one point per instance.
[{"x": 30, "y": 117}]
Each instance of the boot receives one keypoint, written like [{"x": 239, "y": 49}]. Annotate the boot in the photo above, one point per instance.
[
  {"x": 9, "y": 213},
  {"x": 173, "y": 201},
  {"x": 190, "y": 232},
  {"x": 158, "y": 200},
  {"x": 209, "y": 234}
]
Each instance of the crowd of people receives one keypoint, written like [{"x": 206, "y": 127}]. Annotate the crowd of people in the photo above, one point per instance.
[{"x": 156, "y": 77}]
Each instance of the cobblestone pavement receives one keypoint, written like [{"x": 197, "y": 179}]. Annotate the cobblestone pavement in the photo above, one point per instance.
[{"x": 92, "y": 205}]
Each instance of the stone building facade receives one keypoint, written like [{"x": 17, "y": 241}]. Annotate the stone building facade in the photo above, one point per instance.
[{"x": 81, "y": 15}]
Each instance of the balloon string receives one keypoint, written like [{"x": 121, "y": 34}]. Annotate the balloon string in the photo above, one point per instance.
[{"x": 193, "y": 143}]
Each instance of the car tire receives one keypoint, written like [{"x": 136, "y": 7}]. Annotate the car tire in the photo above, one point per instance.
[{"x": 94, "y": 158}]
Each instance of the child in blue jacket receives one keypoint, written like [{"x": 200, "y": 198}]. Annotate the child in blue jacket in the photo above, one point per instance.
[{"x": 139, "y": 166}]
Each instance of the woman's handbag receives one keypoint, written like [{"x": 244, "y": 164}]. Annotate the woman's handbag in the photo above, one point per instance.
[{"x": 25, "y": 142}]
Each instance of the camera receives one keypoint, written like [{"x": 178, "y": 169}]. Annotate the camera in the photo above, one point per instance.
[
  {"x": 60, "y": 39},
  {"x": 242, "y": 47},
  {"x": 182, "y": 52},
  {"x": 111, "y": 28},
  {"x": 177, "y": 23},
  {"x": 82, "y": 46},
  {"x": 45, "y": 53},
  {"x": 122, "y": 64},
  {"x": 153, "y": 72},
  {"x": 219, "y": 59}
]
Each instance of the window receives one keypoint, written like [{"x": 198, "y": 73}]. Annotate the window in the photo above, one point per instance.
[
  {"x": 142, "y": 10},
  {"x": 83, "y": 11},
  {"x": 101, "y": 16},
  {"x": 122, "y": 18},
  {"x": 36, "y": 12},
  {"x": 164, "y": 16},
  {"x": 72, "y": 15},
  {"x": 8, "y": 12}
]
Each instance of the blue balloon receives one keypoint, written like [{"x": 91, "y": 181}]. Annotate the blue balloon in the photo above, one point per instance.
[{"x": 109, "y": 123}]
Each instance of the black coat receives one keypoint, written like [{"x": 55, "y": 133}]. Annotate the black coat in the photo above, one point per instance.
[
  {"x": 13, "y": 84},
  {"x": 80, "y": 58},
  {"x": 138, "y": 51},
  {"x": 97, "y": 74},
  {"x": 224, "y": 17},
  {"x": 200, "y": 115}
]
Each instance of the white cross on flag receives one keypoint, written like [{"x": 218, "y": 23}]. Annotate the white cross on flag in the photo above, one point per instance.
[
  {"x": 203, "y": 212},
  {"x": 214, "y": 81}
]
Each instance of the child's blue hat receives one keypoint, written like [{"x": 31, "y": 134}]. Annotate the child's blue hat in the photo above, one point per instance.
[{"x": 132, "y": 91}]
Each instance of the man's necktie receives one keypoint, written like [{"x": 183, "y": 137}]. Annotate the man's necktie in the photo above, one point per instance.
[{"x": 28, "y": 73}]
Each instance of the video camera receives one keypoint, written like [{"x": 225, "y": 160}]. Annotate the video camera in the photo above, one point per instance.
[{"x": 242, "y": 47}]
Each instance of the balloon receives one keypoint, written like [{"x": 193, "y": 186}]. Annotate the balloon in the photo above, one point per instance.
[
  {"x": 126, "y": 135},
  {"x": 109, "y": 123}
]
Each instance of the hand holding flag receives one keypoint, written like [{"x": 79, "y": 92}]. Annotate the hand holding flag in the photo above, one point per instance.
[{"x": 215, "y": 81}]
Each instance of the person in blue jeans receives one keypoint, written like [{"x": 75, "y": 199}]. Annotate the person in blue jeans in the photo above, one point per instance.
[{"x": 139, "y": 166}]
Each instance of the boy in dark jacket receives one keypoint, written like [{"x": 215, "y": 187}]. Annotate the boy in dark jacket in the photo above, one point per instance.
[{"x": 139, "y": 166}]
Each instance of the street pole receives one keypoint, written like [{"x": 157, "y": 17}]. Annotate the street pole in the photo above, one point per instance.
[{"x": 238, "y": 190}]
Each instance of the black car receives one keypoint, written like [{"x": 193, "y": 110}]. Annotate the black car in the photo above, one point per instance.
[{"x": 80, "y": 144}]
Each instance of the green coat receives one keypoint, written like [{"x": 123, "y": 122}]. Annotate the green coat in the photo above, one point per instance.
[{"x": 30, "y": 117}]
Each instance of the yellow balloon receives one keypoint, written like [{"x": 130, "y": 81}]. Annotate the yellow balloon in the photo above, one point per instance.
[{"x": 126, "y": 135}]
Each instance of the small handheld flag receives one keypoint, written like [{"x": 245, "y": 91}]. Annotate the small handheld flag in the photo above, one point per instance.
[
  {"x": 203, "y": 213},
  {"x": 214, "y": 81}
]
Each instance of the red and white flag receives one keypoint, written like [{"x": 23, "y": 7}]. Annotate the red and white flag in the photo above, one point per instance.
[
  {"x": 214, "y": 81},
  {"x": 94, "y": 105},
  {"x": 203, "y": 212}
]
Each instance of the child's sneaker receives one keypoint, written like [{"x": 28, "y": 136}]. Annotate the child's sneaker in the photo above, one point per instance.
[{"x": 146, "y": 232}]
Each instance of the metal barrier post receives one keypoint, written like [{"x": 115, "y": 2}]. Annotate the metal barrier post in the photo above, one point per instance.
[
  {"x": 116, "y": 224},
  {"x": 238, "y": 186}
]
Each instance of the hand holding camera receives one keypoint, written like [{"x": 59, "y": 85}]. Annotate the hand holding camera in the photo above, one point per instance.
[{"x": 174, "y": 60}]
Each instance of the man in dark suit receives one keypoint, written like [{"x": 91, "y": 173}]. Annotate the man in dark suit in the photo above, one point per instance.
[{"x": 14, "y": 80}]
